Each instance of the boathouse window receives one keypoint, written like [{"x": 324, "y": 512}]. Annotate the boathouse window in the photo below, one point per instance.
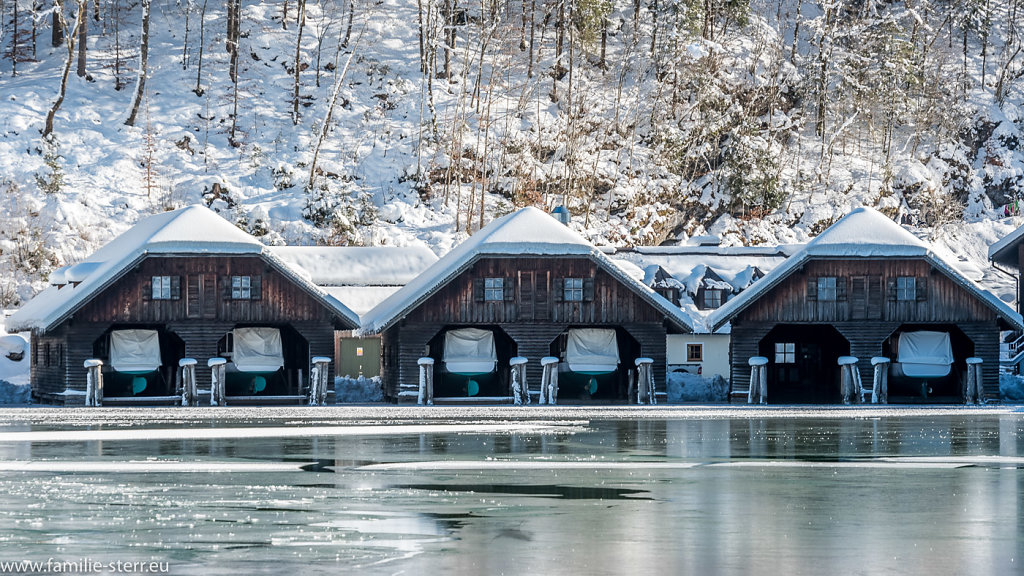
[
  {"x": 827, "y": 288},
  {"x": 713, "y": 298},
  {"x": 695, "y": 352},
  {"x": 906, "y": 288},
  {"x": 166, "y": 287},
  {"x": 245, "y": 287},
  {"x": 785, "y": 353},
  {"x": 494, "y": 289},
  {"x": 573, "y": 290}
]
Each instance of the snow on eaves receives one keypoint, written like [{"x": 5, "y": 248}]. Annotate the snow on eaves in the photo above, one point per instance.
[
  {"x": 195, "y": 230},
  {"x": 863, "y": 233},
  {"x": 526, "y": 232}
]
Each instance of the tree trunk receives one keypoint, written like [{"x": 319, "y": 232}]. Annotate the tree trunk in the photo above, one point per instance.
[
  {"x": 57, "y": 26},
  {"x": 140, "y": 87},
  {"x": 48, "y": 128},
  {"x": 202, "y": 48},
  {"x": 298, "y": 63},
  {"x": 82, "y": 29}
]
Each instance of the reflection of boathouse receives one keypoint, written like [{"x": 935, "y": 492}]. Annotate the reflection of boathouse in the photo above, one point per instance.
[
  {"x": 526, "y": 286},
  {"x": 179, "y": 284},
  {"x": 865, "y": 287}
]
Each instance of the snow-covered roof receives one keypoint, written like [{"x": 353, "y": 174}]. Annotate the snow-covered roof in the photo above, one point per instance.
[
  {"x": 526, "y": 232},
  {"x": 195, "y": 230},
  {"x": 358, "y": 265},
  {"x": 361, "y": 299},
  {"x": 863, "y": 233},
  {"x": 1005, "y": 251}
]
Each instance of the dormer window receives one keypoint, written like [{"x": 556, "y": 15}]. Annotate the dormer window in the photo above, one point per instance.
[{"x": 713, "y": 298}]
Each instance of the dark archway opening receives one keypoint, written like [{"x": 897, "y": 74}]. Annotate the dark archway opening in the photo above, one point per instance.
[
  {"x": 802, "y": 363},
  {"x": 906, "y": 388},
  {"x": 140, "y": 381},
  {"x": 284, "y": 380},
  {"x": 472, "y": 382},
  {"x": 604, "y": 385}
]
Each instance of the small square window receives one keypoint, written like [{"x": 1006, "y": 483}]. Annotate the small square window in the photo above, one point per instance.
[
  {"x": 827, "y": 288},
  {"x": 241, "y": 287},
  {"x": 695, "y": 352},
  {"x": 573, "y": 290},
  {"x": 494, "y": 289},
  {"x": 161, "y": 287},
  {"x": 712, "y": 298},
  {"x": 906, "y": 288},
  {"x": 785, "y": 353}
]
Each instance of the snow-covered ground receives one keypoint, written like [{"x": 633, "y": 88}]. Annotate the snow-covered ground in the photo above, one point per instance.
[{"x": 14, "y": 368}]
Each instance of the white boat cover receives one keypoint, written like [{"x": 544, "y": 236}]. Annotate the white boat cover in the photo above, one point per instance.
[
  {"x": 470, "y": 351},
  {"x": 592, "y": 350},
  {"x": 134, "y": 350},
  {"x": 925, "y": 354},
  {"x": 258, "y": 349}
]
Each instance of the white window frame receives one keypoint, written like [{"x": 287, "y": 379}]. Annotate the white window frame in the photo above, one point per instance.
[
  {"x": 827, "y": 288},
  {"x": 241, "y": 287},
  {"x": 785, "y": 353},
  {"x": 906, "y": 288},
  {"x": 494, "y": 289},
  {"x": 161, "y": 287},
  {"x": 572, "y": 290}
]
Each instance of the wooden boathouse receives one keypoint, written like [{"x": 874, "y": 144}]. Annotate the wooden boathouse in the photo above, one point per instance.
[
  {"x": 524, "y": 285},
  {"x": 179, "y": 284},
  {"x": 867, "y": 288}
]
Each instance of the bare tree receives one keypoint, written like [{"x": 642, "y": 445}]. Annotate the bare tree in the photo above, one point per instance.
[
  {"x": 298, "y": 61},
  {"x": 48, "y": 128},
  {"x": 202, "y": 49},
  {"x": 82, "y": 25},
  {"x": 140, "y": 87}
]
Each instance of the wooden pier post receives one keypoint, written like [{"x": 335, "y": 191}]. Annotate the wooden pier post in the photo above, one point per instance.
[
  {"x": 318, "y": 381},
  {"x": 645, "y": 381},
  {"x": 218, "y": 372},
  {"x": 880, "y": 385},
  {"x": 520, "y": 391},
  {"x": 189, "y": 393},
  {"x": 850, "y": 384},
  {"x": 758, "y": 380},
  {"x": 94, "y": 382},
  {"x": 549, "y": 380},
  {"x": 426, "y": 396},
  {"x": 973, "y": 392}
]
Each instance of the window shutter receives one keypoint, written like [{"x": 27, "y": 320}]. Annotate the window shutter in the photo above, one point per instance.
[
  {"x": 812, "y": 288},
  {"x": 558, "y": 290},
  {"x": 921, "y": 288},
  {"x": 508, "y": 289},
  {"x": 225, "y": 287},
  {"x": 588, "y": 289},
  {"x": 147, "y": 289},
  {"x": 175, "y": 287},
  {"x": 256, "y": 288},
  {"x": 478, "y": 289},
  {"x": 890, "y": 289},
  {"x": 841, "y": 288}
]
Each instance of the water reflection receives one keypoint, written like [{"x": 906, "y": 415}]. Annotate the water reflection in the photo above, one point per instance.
[{"x": 760, "y": 495}]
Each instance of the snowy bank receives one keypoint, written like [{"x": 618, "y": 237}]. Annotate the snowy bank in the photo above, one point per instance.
[
  {"x": 1011, "y": 387},
  {"x": 687, "y": 387},
  {"x": 359, "y": 390}
]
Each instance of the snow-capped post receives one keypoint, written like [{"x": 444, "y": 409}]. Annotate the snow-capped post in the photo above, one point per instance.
[
  {"x": 549, "y": 380},
  {"x": 849, "y": 378},
  {"x": 758, "y": 380},
  {"x": 426, "y": 396},
  {"x": 218, "y": 369},
  {"x": 880, "y": 386},
  {"x": 93, "y": 382},
  {"x": 189, "y": 394},
  {"x": 973, "y": 393},
  {"x": 520, "y": 391},
  {"x": 645, "y": 381},
  {"x": 318, "y": 381}
]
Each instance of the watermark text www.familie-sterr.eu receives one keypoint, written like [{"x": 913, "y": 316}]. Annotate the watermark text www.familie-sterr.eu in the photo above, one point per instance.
[{"x": 84, "y": 566}]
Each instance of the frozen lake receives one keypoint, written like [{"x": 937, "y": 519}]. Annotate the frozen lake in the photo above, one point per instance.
[{"x": 517, "y": 491}]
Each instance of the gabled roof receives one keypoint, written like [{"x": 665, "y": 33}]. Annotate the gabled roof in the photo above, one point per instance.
[
  {"x": 527, "y": 232},
  {"x": 195, "y": 230},
  {"x": 1005, "y": 251},
  {"x": 863, "y": 233}
]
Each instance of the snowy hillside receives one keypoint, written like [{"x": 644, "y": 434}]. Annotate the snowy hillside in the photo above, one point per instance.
[{"x": 417, "y": 122}]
